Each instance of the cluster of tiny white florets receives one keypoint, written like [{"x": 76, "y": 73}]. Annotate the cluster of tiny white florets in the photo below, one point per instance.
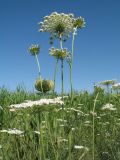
[
  {"x": 109, "y": 106},
  {"x": 58, "y": 23},
  {"x": 34, "y": 49},
  {"x": 12, "y": 131},
  {"x": 36, "y": 103},
  {"x": 108, "y": 82},
  {"x": 79, "y": 22},
  {"x": 80, "y": 147},
  {"x": 116, "y": 86},
  {"x": 59, "y": 53}
]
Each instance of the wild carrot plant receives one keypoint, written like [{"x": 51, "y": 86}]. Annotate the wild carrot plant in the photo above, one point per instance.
[{"x": 60, "y": 25}]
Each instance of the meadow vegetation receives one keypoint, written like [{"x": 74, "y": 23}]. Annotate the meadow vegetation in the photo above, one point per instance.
[{"x": 87, "y": 129}]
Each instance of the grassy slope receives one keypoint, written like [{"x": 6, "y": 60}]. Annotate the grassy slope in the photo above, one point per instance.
[{"x": 60, "y": 130}]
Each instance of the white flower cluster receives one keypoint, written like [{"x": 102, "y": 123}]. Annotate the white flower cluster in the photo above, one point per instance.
[
  {"x": 37, "y": 132},
  {"x": 59, "y": 53},
  {"x": 34, "y": 49},
  {"x": 116, "y": 86},
  {"x": 12, "y": 131},
  {"x": 108, "y": 82},
  {"x": 79, "y": 22},
  {"x": 108, "y": 106},
  {"x": 40, "y": 102},
  {"x": 81, "y": 147},
  {"x": 58, "y": 23}
]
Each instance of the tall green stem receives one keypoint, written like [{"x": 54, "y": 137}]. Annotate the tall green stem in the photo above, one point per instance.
[
  {"x": 73, "y": 41},
  {"x": 71, "y": 86},
  {"x": 62, "y": 67},
  {"x": 56, "y": 67},
  {"x": 61, "y": 46},
  {"x": 39, "y": 71},
  {"x": 62, "y": 89},
  {"x": 71, "y": 63},
  {"x": 93, "y": 138},
  {"x": 38, "y": 64}
]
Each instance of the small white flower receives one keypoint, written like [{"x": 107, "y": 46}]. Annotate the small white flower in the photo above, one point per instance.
[
  {"x": 98, "y": 117},
  {"x": 116, "y": 86},
  {"x": 62, "y": 125},
  {"x": 72, "y": 129},
  {"x": 62, "y": 120},
  {"x": 81, "y": 147},
  {"x": 12, "y": 110},
  {"x": 108, "y": 106},
  {"x": 12, "y": 131},
  {"x": 78, "y": 147},
  {"x": 107, "y": 82},
  {"x": 62, "y": 140},
  {"x": 87, "y": 122},
  {"x": 37, "y": 132}
]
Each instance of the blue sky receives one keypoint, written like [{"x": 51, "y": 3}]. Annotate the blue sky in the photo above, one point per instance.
[{"x": 97, "y": 47}]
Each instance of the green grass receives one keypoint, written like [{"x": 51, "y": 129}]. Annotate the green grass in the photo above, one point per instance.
[{"x": 60, "y": 130}]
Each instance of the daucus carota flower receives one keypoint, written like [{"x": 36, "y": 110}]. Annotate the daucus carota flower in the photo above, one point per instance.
[
  {"x": 47, "y": 85},
  {"x": 58, "y": 24},
  {"x": 116, "y": 86},
  {"x": 12, "y": 131},
  {"x": 98, "y": 89},
  {"x": 79, "y": 22},
  {"x": 58, "y": 53},
  {"x": 108, "y": 106},
  {"x": 80, "y": 147},
  {"x": 40, "y": 102},
  {"x": 108, "y": 82},
  {"x": 34, "y": 49},
  {"x": 37, "y": 132}
]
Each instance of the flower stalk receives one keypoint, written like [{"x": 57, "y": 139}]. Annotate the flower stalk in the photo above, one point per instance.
[
  {"x": 62, "y": 68},
  {"x": 55, "y": 72},
  {"x": 38, "y": 64},
  {"x": 34, "y": 50},
  {"x": 39, "y": 71},
  {"x": 71, "y": 63}
]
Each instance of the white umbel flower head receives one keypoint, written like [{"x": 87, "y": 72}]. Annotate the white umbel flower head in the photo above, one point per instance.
[
  {"x": 108, "y": 82},
  {"x": 80, "y": 147},
  {"x": 79, "y": 22},
  {"x": 116, "y": 86},
  {"x": 40, "y": 102},
  {"x": 58, "y": 24},
  {"x": 12, "y": 131},
  {"x": 34, "y": 49},
  {"x": 108, "y": 106},
  {"x": 59, "y": 53}
]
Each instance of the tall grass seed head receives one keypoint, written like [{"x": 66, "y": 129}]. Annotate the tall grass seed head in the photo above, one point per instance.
[{"x": 34, "y": 49}]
